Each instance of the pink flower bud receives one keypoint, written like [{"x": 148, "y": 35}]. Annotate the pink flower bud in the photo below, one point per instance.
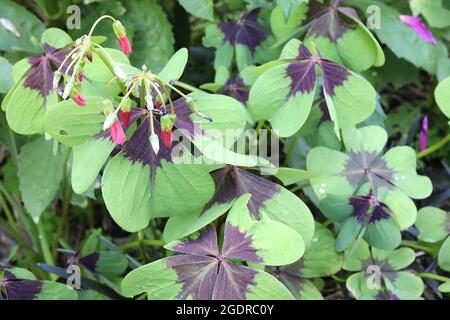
[
  {"x": 80, "y": 76},
  {"x": 125, "y": 45},
  {"x": 117, "y": 133},
  {"x": 419, "y": 27},
  {"x": 167, "y": 137},
  {"x": 125, "y": 117},
  {"x": 78, "y": 98},
  {"x": 424, "y": 134}
]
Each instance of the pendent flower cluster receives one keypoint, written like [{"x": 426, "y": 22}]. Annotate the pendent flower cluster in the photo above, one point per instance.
[{"x": 153, "y": 92}]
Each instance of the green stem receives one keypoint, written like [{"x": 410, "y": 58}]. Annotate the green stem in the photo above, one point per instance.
[
  {"x": 9, "y": 214},
  {"x": 141, "y": 238},
  {"x": 259, "y": 126},
  {"x": 188, "y": 87},
  {"x": 66, "y": 192},
  {"x": 148, "y": 242},
  {"x": 414, "y": 245},
  {"x": 48, "y": 258},
  {"x": 110, "y": 67},
  {"x": 438, "y": 145},
  {"x": 298, "y": 187},
  {"x": 433, "y": 276}
]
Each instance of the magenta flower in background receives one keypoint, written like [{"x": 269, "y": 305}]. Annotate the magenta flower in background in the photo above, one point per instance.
[
  {"x": 424, "y": 134},
  {"x": 419, "y": 27}
]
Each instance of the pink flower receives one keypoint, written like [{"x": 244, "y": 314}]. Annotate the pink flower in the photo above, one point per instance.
[
  {"x": 78, "y": 98},
  {"x": 424, "y": 134},
  {"x": 419, "y": 27},
  {"x": 167, "y": 137},
  {"x": 125, "y": 45},
  {"x": 121, "y": 35},
  {"x": 117, "y": 133}
]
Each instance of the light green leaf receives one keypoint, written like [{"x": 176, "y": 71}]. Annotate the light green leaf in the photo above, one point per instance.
[
  {"x": 200, "y": 8},
  {"x": 442, "y": 96},
  {"x": 433, "y": 224},
  {"x": 24, "y": 28},
  {"x": 71, "y": 124},
  {"x": 148, "y": 21},
  {"x": 174, "y": 68},
  {"x": 40, "y": 173},
  {"x": 6, "y": 81},
  {"x": 130, "y": 209}
]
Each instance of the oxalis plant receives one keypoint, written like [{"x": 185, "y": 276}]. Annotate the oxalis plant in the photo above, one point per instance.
[{"x": 305, "y": 159}]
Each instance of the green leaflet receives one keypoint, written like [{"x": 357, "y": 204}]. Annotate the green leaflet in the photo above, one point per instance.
[
  {"x": 444, "y": 255},
  {"x": 432, "y": 224},
  {"x": 88, "y": 160},
  {"x": 28, "y": 26},
  {"x": 283, "y": 25},
  {"x": 40, "y": 173},
  {"x": 290, "y": 176},
  {"x": 268, "y": 236},
  {"x": 174, "y": 68},
  {"x": 320, "y": 258},
  {"x": 433, "y": 11},
  {"x": 442, "y": 96},
  {"x": 143, "y": 18},
  {"x": 401, "y": 39},
  {"x": 126, "y": 189},
  {"x": 6, "y": 82},
  {"x": 201, "y": 8},
  {"x": 71, "y": 124}
]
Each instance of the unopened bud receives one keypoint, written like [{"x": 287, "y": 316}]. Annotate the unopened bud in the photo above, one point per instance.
[
  {"x": 56, "y": 79},
  {"x": 149, "y": 102},
  {"x": 109, "y": 121},
  {"x": 154, "y": 142},
  {"x": 67, "y": 90}
]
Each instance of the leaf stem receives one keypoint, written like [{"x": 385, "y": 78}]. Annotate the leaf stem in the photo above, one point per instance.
[
  {"x": 66, "y": 192},
  {"x": 417, "y": 246},
  {"x": 48, "y": 258},
  {"x": 148, "y": 242},
  {"x": 438, "y": 145},
  {"x": 187, "y": 86},
  {"x": 433, "y": 276},
  {"x": 141, "y": 238}
]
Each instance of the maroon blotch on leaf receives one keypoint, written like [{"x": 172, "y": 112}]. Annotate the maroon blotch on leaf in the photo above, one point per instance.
[{"x": 246, "y": 31}]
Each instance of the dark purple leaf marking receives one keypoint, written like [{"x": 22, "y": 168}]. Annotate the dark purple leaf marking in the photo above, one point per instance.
[
  {"x": 386, "y": 270},
  {"x": 325, "y": 112},
  {"x": 205, "y": 273},
  {"x": 386, "y": 296},
  {"x": 233, "y": 281},
  {"x": 197, "y": 274},
  {"x": 90, "y": 261},
  {"x": 205, "y": 244},
  {"x": 368, "y": 167},
  {"x": 236, "y": 88},
  {"x": 329, "y": 22},
  {"x": 238, "y": 245},
  {"x": 19, "y": 289},
  {"x": 40, "y": 76},
  {"x": 290, "y": 276},
  {"x": 184, "y": 120},
  {"x": 138, "y": 148},
  {"x": 246, "y": 31},
  {"x": 361, "y": 206},
  {"x": 232, "y": 182},
  {"x": 302, "y": 73},
  {"x": 334, "y": 75}
]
